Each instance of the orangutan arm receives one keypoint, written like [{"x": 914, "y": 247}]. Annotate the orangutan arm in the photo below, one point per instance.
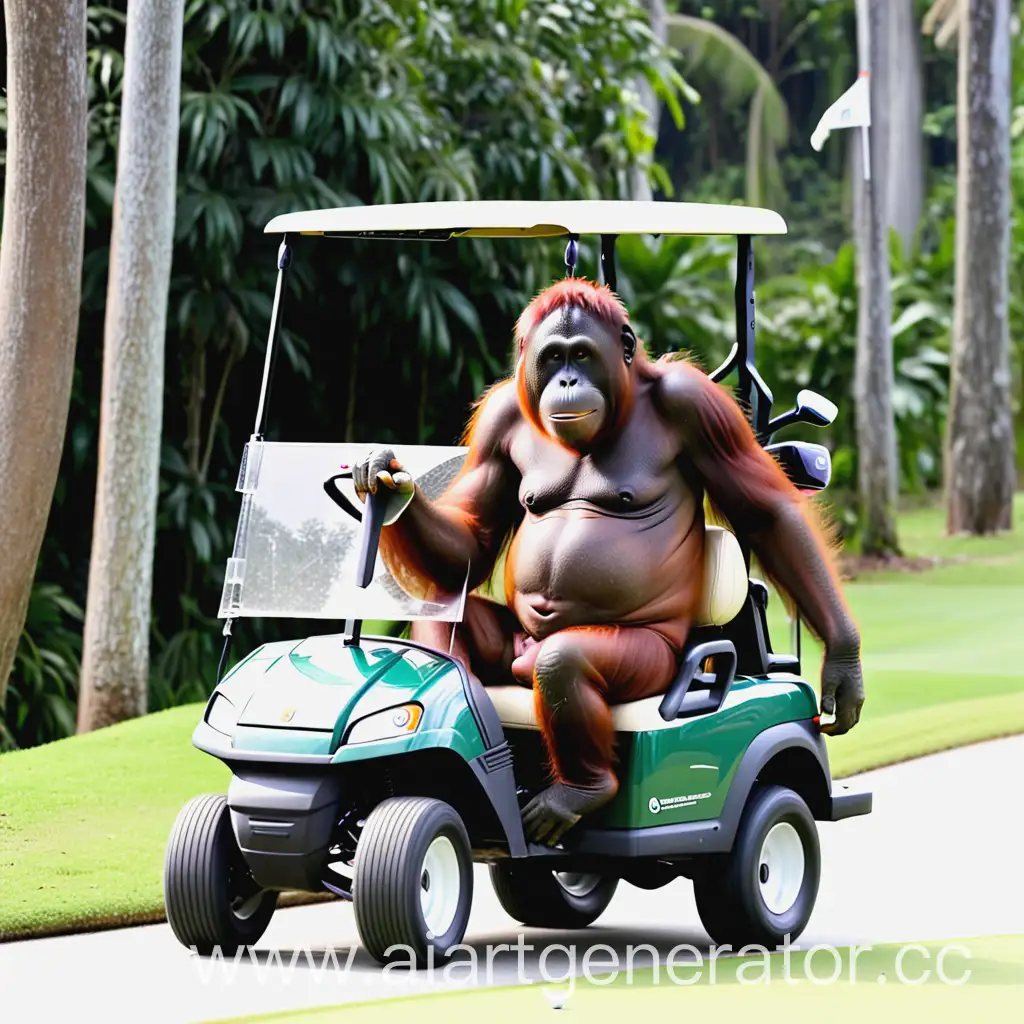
[
  {"x": 749, "y": 487},
  {"x": 433, "y": 542}
]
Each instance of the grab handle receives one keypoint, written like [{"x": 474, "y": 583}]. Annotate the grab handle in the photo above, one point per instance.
[{"x": 719, "y": 680}]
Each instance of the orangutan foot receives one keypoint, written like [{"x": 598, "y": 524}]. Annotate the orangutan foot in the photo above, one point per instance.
[{"x": 550, "y": 814}]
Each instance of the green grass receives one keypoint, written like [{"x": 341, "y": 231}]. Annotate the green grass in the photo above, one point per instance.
[
  {"x": 83, "y": 822},
  {"x": 744, "y": 988},
  {"x": 943, "y": 661}
]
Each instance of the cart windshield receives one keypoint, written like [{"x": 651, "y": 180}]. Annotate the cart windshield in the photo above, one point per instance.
[{"x": 296, "y": 551}]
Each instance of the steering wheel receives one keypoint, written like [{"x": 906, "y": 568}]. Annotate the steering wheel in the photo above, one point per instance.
[
  {"x": 372, "y": 518},
  {"x": 334, "y": 492}
]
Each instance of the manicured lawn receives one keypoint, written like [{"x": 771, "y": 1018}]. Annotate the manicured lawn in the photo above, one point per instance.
[
  {"x": 869, "y": 986},
  {"x": 83, "y": 822},
  {"x": 943, "y": 659}
]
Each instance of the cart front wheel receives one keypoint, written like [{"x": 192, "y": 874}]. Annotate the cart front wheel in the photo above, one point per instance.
[
  {"x": 413, "y": 885},
  {"x": 209, "y": 894},
  {"x": 765, "y": 888},
  {"x": 538, "y": 897}
]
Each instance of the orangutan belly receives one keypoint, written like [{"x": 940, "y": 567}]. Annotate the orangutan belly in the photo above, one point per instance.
[{"x": 578, "y": 565}]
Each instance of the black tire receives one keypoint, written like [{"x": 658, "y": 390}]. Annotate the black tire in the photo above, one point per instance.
[
  {"x": 210, "y": 897},
  {"x": 392, "y": 875},
  {"x": 535, "y": 895},
  {"x": 732, "y": 891}
]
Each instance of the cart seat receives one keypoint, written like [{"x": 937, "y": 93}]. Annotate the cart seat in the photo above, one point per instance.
[{"x": 725, "y": 591}]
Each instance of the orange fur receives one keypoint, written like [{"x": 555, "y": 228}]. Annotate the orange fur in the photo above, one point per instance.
[
  {"x": 749, "y": 480},
  {"x": 597, "y": 299}
]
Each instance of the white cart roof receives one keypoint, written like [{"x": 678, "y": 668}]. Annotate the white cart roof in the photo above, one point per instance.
[{"x": 513, "y": 219}]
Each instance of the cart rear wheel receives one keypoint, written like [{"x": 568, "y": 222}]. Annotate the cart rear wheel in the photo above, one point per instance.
[
  {"x": 210, "y": 896},
  {"x": 541, "y": 898},
  {"x": 413, "y": 885},
  {"x": 765, "y": 888}
]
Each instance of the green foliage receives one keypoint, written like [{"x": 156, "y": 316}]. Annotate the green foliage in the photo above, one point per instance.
[
  {"x": 289, "y": 106},
  {"x": 678, "y": 291},
  {"x": 765, "y": 72},
  {"x": 716, "y": 59},
  {"x": 807, "y": 339},
  {"x": 43, "y": 688}
]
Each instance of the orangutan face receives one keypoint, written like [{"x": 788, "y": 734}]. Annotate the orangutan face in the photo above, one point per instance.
[{"x": 575, "y": 375}]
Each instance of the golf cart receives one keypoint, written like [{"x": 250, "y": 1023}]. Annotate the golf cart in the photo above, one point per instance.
[{"x": 379, "y": 770}]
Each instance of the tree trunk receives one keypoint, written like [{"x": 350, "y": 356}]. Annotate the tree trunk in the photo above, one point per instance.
[
  {"x": 980, "y": 459},
  {"x": 115, "y": 661},
  {"x": 40, "y": 282},
  {"x": 905, "y": 181},
  {"x": 640, "y": 185},
  {"x": 873, "y": 374}
]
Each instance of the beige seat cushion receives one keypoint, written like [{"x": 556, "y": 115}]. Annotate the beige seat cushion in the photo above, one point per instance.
[
  {"x": 725, "y": 578},
  {"x": 515, "y": 708},
  {"x": 725, "y": 590}
]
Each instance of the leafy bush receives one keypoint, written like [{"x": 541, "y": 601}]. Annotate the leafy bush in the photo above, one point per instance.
[
  {"x": 807, "y": 339},
  {"x": 43, "y": 688},
  {"x": 678, "y": 291}
]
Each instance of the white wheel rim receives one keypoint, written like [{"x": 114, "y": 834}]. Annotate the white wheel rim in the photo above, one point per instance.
[
  {"x": 577, "y": 884},
  {"x": 780, "y": 867},
  {"x": 440, "y": 884}
]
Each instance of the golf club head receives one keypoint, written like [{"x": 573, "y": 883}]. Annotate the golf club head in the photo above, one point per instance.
[
  {"x": 815, "y": 409},
  {"x": 808, "y": 466}
]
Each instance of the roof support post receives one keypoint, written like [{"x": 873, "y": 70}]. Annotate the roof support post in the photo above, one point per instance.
[
  {"x": 752, "y": 390},
  {"x": 606, "y": 267},
  {"x": 284, "y": 262}
]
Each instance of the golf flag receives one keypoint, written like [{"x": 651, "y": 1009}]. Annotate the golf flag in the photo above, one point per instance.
[{"x": 851, "y": 110}]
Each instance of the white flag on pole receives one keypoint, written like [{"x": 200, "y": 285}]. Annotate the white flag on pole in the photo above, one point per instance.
[{"x": 851, "y": 110}]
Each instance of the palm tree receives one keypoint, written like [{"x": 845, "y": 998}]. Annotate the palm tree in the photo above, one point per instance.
[
  {"x": 640, "y": 184},
  {"x": 716, "y": 59},
  {"x": 980, "y": 458},
  {"x": 877, "y": 461},
  {"x": 905, "y": 180},
  {"x": 943, "y": 21}
]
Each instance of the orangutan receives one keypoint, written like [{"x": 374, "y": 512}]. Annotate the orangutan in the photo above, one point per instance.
[{"x": 595, "y": 460}]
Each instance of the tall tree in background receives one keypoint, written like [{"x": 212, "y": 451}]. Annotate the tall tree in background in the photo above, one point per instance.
[
  {"x": 877, "y": 466},
  {"x": 905, "y": 180},
  {"x": 115, "y": 663},
  {"x": 640, "y": 182},
  {"x": 980, "y": 458},
  {"x": 40, "y": 281}
]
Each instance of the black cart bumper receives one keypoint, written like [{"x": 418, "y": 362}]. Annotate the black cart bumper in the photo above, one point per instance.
[
  {"x": 848, "y": 803},
  {"x": 283, "y": 822}
]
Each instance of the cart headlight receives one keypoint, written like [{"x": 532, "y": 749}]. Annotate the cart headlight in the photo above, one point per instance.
[
  {"x": 222, "y": 715},
  {"x": 386, "y": 725}
]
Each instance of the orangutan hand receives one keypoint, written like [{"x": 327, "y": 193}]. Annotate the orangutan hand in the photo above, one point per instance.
[
  {"x": 842, "y": 688},
  {"x": 380, "y": 466}
]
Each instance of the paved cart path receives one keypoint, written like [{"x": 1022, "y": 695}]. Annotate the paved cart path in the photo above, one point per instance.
[{"x": 939, "y": 858}]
